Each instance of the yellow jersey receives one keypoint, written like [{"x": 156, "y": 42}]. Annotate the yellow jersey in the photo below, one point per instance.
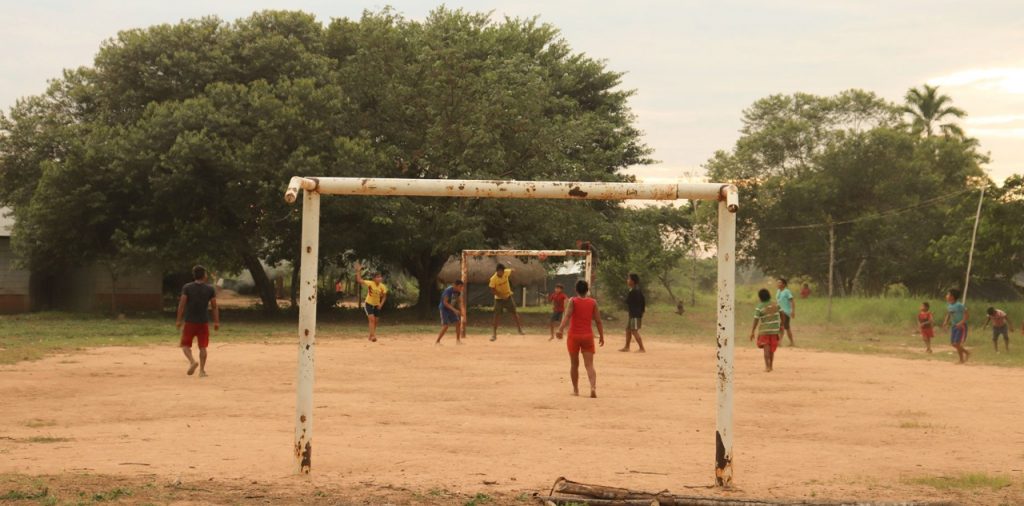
[
  {"x": 374, "y": 292},
  {"x": 500, "y": 284}
]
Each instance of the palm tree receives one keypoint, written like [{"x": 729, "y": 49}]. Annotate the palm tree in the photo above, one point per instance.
[{"x": 927, "y": 108}]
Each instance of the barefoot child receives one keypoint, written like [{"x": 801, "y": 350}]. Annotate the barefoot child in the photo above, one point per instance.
[
  {"x": 768, "y": 325},
  {"x": 450, "y": 311},
  {"x": 1000, "y": 325},
  {"x": 195, "y": 298},
  {"x": 376, "y": 295},
  {"x": 579, "y": 315},
  {"x": 926, "y": 324},
  {"x": 957, "y": 315},
  {"x": 557, "y": 299},
  {"x": 502, "y": 290},
  {"x": 637, "y": 305}
]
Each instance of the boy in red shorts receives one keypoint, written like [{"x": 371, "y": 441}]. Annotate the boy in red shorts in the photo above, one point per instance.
[
  {"x": 195, "y": 298},
  {"x": 926, "y": 323},
  {"x": 579, "y": 316},
  {"x": 767, "y": 325}
]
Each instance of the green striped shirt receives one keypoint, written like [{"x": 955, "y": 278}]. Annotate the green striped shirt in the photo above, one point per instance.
[{"x": 767, "y": 314}]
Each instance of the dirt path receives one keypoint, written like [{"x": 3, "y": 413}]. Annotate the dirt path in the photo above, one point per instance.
[{"x": 498, "y": 417}]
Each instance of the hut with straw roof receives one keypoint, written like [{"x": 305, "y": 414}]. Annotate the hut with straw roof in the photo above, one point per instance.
[{"x": 529, "y": 278}]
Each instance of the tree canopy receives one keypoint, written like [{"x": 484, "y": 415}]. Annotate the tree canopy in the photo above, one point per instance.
[
  {"x": 894, "y": 198},
  {"x": 175, "y": 145}
]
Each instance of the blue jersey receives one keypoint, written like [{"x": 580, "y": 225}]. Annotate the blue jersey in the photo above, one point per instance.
[
  {"x": 956, "y": 312},
  {"x": 449, "y": 294},
  {"x": 785, "y": 300}
]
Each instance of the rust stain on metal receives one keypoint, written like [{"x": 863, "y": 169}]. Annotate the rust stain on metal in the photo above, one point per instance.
[
  {"x": 302, "y": 418},
  {"x": 723, "y": 463},
  {"x": 307, "y": 332},
  {"x": 307, "y": 458},
  {"x": 577, "y": 192},
  {"x": 309, "y": 249}
]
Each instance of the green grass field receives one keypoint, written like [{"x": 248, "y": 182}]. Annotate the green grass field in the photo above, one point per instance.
[{"x": 883, "y": 326}]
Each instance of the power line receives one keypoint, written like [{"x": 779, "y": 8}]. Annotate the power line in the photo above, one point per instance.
[{"x": 876, "y": 216}]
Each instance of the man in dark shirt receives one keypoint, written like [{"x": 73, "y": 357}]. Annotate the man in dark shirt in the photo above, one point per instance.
[
  {"x": 195, "y": 298},
  {"x": 637, "y": 306}
]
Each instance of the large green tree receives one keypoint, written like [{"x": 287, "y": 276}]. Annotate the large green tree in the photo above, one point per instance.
[
  {"x": 808, "y": 164},
  {"x": 175, "y": 145}
]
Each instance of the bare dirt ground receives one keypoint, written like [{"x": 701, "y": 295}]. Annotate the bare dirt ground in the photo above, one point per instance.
[{"x": 403, "y": 420}]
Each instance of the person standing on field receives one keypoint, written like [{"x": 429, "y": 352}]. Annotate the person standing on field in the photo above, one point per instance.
[
  {"x": 767, "y": 325},
  {"x": 637, "y": 305},
  {"x": 926, "y": 324},
  {"x": 557, "y": 299},
  {"x": 957, "y": 315},
  {"x": 787, "y": 304},
  {"x": 376, "y": 295},
  {"x": 502, "y": 290},
  {"x": 1000, "y": 325},
  {"x": 451, "y": 313},
  {"x": 580, "y": 315},
  {"x": 193, "y": 319}
]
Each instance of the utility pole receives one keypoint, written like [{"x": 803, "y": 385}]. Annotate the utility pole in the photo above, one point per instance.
[
  {"x": 974, "y": 237},
  {"x": 831, "y": 263}
]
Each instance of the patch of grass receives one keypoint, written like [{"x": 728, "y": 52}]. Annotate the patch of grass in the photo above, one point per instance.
[
  {"x": 112, "y": 495},
  {"x": 478, "y": 499},
  {"x": 18, "y": 495},
  {"x": 45, "y": 439},
  {"x": 39, "y": 422},
  {"x": 967, "y": 481},
  {"x": 914, "y": 424}
]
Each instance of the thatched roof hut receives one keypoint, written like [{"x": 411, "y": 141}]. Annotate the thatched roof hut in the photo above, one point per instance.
[{"x": 481, "y": 268}]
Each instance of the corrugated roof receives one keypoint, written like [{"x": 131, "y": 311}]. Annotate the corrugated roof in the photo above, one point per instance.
[{"x": 6, "y": 222}]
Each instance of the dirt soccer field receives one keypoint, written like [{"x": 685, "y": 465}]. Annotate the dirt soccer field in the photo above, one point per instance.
[{"x": 403, "y": 420}]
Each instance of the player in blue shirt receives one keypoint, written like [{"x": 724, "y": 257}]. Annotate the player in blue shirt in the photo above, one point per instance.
[
  {"x": 957, "y": 315},
  {"x": 787, "y": 306},
  {"x": 451, "y": 313}
]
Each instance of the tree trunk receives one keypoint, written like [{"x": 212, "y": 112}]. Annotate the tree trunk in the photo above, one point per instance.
[
  {"x": 425, "y": 269},
  {"x": 293, "y": 295},
  {"x": 264, "y": 287},
  {"x": 665, "y": 281}
]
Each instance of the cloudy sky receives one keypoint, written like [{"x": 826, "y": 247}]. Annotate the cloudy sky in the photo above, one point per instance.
[{"x": 695, "y": 64}]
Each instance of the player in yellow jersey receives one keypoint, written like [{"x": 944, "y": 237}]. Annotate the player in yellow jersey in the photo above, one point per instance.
[
  {"x": 502, "y": 290},
  {"x": 376, "y": 295}
]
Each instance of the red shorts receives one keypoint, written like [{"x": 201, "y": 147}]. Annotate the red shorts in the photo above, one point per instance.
[
  {"x": 927, "y": 332},
  {"x": 191, "y": 330},
  {"x": 770, "y": 340},
  {"x": 578, "y": 344}
]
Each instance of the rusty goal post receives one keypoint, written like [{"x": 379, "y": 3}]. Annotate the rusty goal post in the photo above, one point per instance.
[{"x": 312, "y": 188}]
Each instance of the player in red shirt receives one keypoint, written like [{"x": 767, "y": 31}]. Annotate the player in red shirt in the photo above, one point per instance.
[
  {"x": 579, "y": 316},
  {"x": 926, "y": 324},
  {"x": 557, "y": 299}
]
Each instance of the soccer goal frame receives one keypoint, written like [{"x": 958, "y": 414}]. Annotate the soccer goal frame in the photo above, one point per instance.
[
  {"x": 312, "y": 188},
  {"x": 587, "y": 255}
]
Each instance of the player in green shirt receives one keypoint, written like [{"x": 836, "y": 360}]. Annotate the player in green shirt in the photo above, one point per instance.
[{"x": 767, "y": 325}]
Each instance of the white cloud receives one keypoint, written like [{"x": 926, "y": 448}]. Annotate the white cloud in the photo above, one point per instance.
[
  {"x": 1002, "y": 79},
  {"x": 995, "y": 120},
  {"x": 1010, "y": 133}
]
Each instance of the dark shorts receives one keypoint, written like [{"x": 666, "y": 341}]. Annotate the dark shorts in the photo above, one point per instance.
[
  {"x": 634, "y": 323},
  {"x": 448, "y": 317},
  {"x": 784, "y": 320},
  {"x": 371, "y": 310},
  {"x": 502, "y": 305},
  {"x": 958, "y": 335},
  {"x": 1001, "y": 331},
  {"x": 192, "y": 331},
  {"x": 556, "y": 316}
]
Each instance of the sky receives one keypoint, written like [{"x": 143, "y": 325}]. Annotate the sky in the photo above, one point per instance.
[{"x": 695, "y": 65}]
